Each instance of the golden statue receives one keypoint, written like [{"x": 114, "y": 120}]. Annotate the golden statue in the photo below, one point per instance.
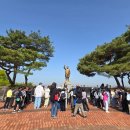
[{"x": 67, "y": 73}]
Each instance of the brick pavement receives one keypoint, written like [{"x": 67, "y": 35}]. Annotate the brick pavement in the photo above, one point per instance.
[{"x": 31, "y": 119}]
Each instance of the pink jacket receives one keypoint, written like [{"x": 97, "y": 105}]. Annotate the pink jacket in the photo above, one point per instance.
[{"x": 105, "y": 96}]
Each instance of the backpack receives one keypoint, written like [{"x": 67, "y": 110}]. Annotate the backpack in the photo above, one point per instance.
[
  {"x": 62, "y": 96},
  {"x": 56, "y": 97},
  {"x": 18, "y": 95}
]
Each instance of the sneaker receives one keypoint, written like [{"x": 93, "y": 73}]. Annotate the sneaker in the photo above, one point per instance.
[
  {"x": 14, "y": 111},
  {"x": 3, "y": 109},
  {"x": 107, "y": 112},
  {"x": 73, "y": 116},
  {"x": 19, "y": 110},
  {"x": 54, "y": 117}
]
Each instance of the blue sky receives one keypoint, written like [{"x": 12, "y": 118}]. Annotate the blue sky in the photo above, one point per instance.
[{"x": 75, "y": 27}]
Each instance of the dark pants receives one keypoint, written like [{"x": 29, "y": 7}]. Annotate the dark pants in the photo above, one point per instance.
[
  {"x": 96, "y": 102},
  {"x": 7, "y": 102},
  {"x": 99, "y": 102},
  {"x": 27, "y": 99},
  {"x": 17, "y": 103},
  {"x": 62, "y": 105},
  {"x": 11, "y": 102},
  {"x": 33, "y": 98},
  {"x": 23, "y": 105},
  {"x": 72, "y": 101},
  {"x": 85, "y": 105},
  {"x": 102, "y": 104},
  {"x": 124, "y": 106},
  {"x": 128, "y": 102}
]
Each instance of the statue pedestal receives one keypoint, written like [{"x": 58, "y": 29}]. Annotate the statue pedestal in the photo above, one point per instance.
[
  {"x": 68, "y": 83},
  {"x": 68, "y": 86}
]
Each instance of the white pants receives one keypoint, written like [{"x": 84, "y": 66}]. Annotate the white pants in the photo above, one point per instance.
[
  {"x": 106, "y": 105},
  {"x": 46, "y": 102}
]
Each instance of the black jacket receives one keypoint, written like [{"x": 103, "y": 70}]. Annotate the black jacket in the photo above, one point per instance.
[
  {"x": 53, "y": 91},
  {"x": 79, "y": 96}
]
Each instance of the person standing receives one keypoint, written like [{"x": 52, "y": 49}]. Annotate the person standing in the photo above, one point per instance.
[
  {"x": 8, "y": 98},
  {"x": 124, "y": 101},
  {"x": 84, "y": 100},
  {"x": 18, "y": 100},
  {"x": 72, "y": 98},
  {"x": 96, "y": 97},
  {"x": 39, "y": 92},
  {"x": 113, "y": 100},
  {"x": 79, "y": 102},
  {"x": 47, "y": 96},
  {"x": 128, "y": 101},
  {"x": 24, "y": 96},
  {"x": 62, "y": 100},
  {"x": 105, "y": 100},
  {"x": 54, "y": 98}
]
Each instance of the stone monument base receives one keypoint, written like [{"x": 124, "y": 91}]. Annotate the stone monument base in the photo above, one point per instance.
[{"x": 68, "y": 85}]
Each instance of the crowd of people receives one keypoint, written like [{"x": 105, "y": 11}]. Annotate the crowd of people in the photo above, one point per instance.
[
  {"x": 19, "y": 98},
  {"x": 103, "y": 97}
]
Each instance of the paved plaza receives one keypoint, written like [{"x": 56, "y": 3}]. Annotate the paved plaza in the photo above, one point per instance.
[{"x": 31, "y": 119}]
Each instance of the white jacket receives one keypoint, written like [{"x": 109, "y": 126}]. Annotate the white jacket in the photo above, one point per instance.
[
  {"x": 39, "y": 91},
  {"x": 47, "y": 93}
]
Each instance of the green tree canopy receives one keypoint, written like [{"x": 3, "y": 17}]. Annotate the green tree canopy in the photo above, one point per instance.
[
  {"x": 109, "y": 59},
  {"x": 21, "y": 53},
  {"x": 3, "y": 78}
]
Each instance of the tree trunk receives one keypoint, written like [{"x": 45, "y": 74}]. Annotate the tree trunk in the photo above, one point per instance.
[
  {"x": 26, "y": 77},
  {"x": 128, "y": 77},
  {"x": 122, "y": 81},
  {"x": 15, "y": 74},
  {"x": 117, "y": 81},
  {"x": 26, "y": 80},
  {"x": 8, "y": 72},
  {"x": 9, "y": 78}
]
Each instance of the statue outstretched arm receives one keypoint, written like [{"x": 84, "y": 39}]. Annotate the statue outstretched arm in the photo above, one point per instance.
[{"x": 65, "y": 67}]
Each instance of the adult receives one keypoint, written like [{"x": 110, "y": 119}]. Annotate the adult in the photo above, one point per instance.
[
  {"x": 54, "y": 97},
  {"x": 113, "y": 98},
  {"x": 47, "y": 96},
  {"x": 79, "y": 102},
  {"x": 39, "y": 92},
  {"x": 105, "y": 100},
  {"x": 72, "y": 98},
  {"x": 96, "y": 97},
  {"x": 62, "y": 100},
  {"x": 124, "y": 101},
  {"x": 18, "y": 100},
  {"x": 8, "y": 98},
  {"x": 32, "y": 94},
  {"x": 84, "y": 100},
  {"x": 23, "y": 97},
  {"x": 128, "y": 101}
]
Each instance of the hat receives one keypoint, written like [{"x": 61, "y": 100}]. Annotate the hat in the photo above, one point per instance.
[{"x": 40, "y": 83}]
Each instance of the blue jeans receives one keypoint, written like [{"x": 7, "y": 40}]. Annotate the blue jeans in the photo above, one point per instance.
[
  {"x": 58, "y": 106},
  {"x": 37, "y": 102},
  {"x": 54, "y": 109}
]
